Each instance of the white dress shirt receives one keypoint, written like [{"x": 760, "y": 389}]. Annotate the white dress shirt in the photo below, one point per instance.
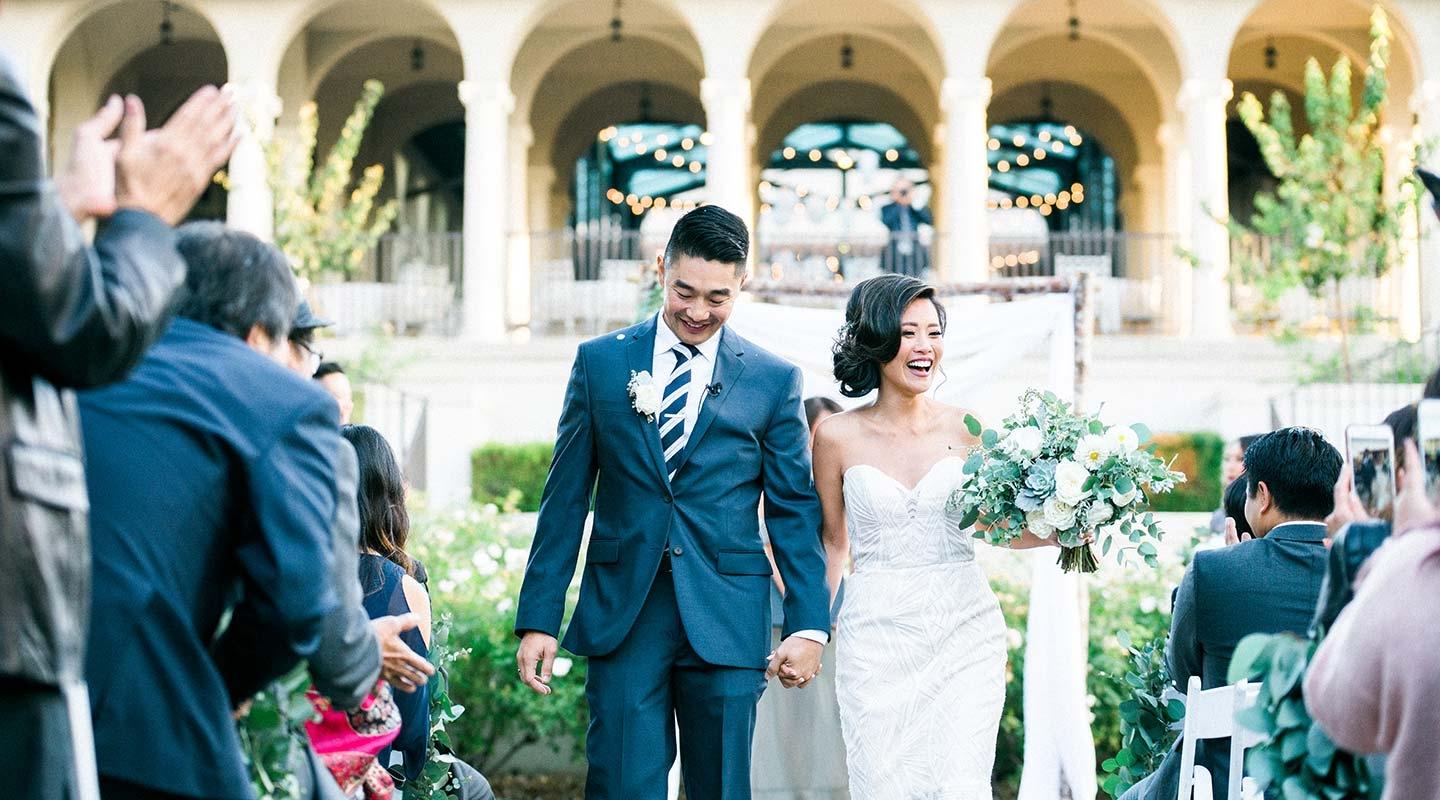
[
  {"x": 702, "y": 372},
  {"x": 702, "y": 367}
]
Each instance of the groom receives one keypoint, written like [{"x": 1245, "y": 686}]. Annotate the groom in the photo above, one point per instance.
[{"x": 676, "y": 426}]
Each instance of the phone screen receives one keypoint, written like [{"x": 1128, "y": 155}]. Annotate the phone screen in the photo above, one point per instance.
[
  {"x": 1373, "y": 462},
  {"x": 1430, "y": 446}
]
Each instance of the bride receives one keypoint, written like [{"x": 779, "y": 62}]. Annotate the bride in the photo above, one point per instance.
[{"x": 920, "y": 651}]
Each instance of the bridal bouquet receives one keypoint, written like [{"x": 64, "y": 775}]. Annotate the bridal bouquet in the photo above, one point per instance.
[{"x": 1058, "y": 473}]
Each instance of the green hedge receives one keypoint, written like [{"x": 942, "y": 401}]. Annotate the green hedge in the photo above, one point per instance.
[
  {"x": 1198, "y": 455},
  {"x": 505, "y": 473}
]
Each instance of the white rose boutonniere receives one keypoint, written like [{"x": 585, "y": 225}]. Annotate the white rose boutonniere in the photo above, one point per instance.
[{"x": 645, "y": 395}]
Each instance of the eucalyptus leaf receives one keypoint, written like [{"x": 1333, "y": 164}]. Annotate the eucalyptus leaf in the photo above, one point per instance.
[{"x": 973, "y": 425}]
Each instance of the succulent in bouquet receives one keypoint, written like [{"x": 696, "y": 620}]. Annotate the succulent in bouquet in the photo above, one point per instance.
[{"x": 1062, "y": 474}]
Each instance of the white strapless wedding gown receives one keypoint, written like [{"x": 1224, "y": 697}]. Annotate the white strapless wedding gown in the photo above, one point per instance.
[{"x": 920, "y": 644}]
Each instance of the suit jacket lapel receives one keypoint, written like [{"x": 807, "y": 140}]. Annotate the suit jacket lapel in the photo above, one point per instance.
[
  {"x": 729, "y": 363},
  {"x": 642, "y": 359}
]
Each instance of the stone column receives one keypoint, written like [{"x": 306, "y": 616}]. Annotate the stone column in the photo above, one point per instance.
[
  {"x": 518, "y": 229},
  {"x": 1202, "y": 103},
  {"x": 250, "y": 205},
  {"x": 1426, "y": 105},
  {"x": 727, "y": 120},
  {"x": 1177, "y": 274},
  {"x": 488, "y": 104},
  {"x": 964, "y": 227}
]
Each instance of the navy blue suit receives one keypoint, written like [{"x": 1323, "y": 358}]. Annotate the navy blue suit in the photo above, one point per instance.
[
  {"x": 211, "y": 473},
  {"x": 684, "y": 638}
]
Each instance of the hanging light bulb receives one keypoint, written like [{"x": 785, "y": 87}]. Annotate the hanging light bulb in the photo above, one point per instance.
[
  {"x": 417, "y": 57},
  {"x": 616, "y": 24},
  {"x": 1272, "y": 55},
  {"x": 847, "y": 54},
  {"x": 1074, "y": 22},
  {"x": 167, "y": 27}
]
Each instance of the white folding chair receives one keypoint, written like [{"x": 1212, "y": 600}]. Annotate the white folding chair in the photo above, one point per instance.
[{"x": 1210, "y": 714}]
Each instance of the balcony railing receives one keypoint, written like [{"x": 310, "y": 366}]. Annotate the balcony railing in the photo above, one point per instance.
[{"x": 409, "y": 284}]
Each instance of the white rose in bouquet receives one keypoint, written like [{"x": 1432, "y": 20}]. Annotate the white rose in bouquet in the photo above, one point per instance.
[
  {"x": 1122, "y": 439},
  {"x": 1092, "y": 450},
  {"x": 1070, "y": 478},
  {"x": 1099, "y": 513},
  {"x": 1059, "y": 514},
  {"x": 1035, "y": 521},
  {"x": 1025, "y": 443}
]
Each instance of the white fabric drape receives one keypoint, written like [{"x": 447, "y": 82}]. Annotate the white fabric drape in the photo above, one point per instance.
[{"x": 982, "y": 339}]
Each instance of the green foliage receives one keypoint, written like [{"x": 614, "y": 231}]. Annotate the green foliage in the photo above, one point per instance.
[
  {"x": 1198, "y": 455},
  {"x": 1297, "y": 758},
  {"x": 321, "y": 223},
  {"x": 1146, "y": 718},
  {"x": 510, "y": 474},
  {"x": 436, "y": 782},
  {"x": 1330, "y": 216},
  {"x": 477, "y": 559},
  {"x": 272, "y": 736}
]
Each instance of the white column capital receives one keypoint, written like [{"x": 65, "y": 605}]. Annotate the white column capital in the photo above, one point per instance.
[
  {"x": 486, "y": 95},
  {"x": 960, "y": 93},
  {"x": 1200, "y": 92},
  {"x": 725, "y": 91}
]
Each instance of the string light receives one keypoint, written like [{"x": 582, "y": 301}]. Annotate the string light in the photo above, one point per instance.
[
  {"x": 695, "y": 167},
  {"x": 687, "y": 143},
  {"x": 660, "y": 202},
  {"x": 661, "y": 155},
  {"x": 1022, "y": 202},
  {"x": 1019, "y": 140},
  {"x": 814, "y": 155},
  {"x": 1039, "y": 154},
  {"x": 1021, "y": 160},
  {"x": 892, "y": 155},
  {"x": 662, "y": 140},
  {"x": 1057, "y": 146},
  {"x": 707, "y": 138},
  {"x": 678, "y": 161},
  {"x": 1044, "y": 136},
  {"x": 993, "y": 144},
  {"x": 788, "y": 152}
]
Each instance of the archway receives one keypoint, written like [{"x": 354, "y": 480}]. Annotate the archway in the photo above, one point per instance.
[{"x": 161, "y": 52}]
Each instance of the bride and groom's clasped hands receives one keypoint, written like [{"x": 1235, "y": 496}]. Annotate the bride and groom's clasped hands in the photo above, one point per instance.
[{"x": 678, "y": 429}]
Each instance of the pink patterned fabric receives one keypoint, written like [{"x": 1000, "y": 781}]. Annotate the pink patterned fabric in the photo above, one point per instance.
[{"x": 348, "y": 741}]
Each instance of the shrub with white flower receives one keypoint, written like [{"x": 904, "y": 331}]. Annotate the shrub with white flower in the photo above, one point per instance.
[{"x": 1055, "y": 472}]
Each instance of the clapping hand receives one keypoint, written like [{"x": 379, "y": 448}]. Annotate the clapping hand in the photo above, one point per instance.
[
  {"x": 796, "y": 662},
  {"x": 400, "y": 666},
  {"x": 87, "y": 184},
  {"x": 165, "y": 170},
  {"x": 1232, "y": 536}
]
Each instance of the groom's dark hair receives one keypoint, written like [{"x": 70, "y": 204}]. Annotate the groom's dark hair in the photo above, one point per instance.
[
  {"x": 1299, "y": 467},
  {"x": 710, "y": 233}
]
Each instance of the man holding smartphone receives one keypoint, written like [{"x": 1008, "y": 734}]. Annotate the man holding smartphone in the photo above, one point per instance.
[{"x": 1267, "y": 584}]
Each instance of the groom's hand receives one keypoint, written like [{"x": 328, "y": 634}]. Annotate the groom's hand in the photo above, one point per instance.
[
  {"x": 796, "y": 662},
  {"x": 536, "y": 649}
]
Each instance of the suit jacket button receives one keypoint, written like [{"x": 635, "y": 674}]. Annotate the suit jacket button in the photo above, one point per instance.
[
  {"x": 678, "y": 551},
  {"x": 668, "y": 498}
]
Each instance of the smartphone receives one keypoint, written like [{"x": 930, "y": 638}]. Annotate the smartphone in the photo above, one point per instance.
[
  {"x": 1428, "y": 434},
  {"x": 1371, "y": 449}
]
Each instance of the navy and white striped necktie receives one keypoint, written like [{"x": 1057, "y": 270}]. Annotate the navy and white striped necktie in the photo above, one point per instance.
[{"x": 674, "y": 433}]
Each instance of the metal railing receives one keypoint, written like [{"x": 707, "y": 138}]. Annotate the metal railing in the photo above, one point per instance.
[
  {"x": 1375, "y": 384},
  {"x": 583, "y": 282},
  {"x": 1373, "y": 300},
  {"x": 402, "y": 418},
  {"x": 410, "y": 283}
]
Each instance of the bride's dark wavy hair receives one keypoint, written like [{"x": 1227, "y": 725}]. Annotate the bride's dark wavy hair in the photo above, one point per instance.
[{"x": 870, "y": 336}]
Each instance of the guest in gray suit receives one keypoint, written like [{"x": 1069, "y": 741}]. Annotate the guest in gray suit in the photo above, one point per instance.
[{"x": 1267, "y": 584}]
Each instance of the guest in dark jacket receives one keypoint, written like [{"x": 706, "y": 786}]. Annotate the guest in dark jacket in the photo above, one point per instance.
[
  {"x": 73, "y": 316},
  {"x": 904, "y": 253},
  {"x": 387, "y": 577},
  {"x": 212, "y": 477},
  {"x": 1268, "y": 584}
]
